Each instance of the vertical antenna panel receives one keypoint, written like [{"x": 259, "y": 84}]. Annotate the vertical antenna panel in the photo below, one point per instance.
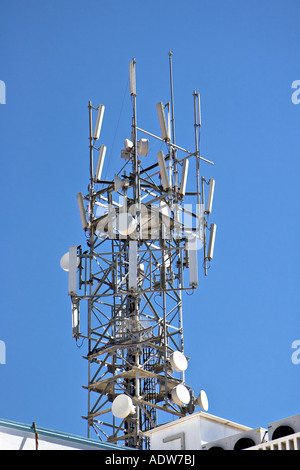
[
  {"x": 100, "y": 162},
  {"x": 162, "y": 121},
  {"x": 184, "y": 177},
  {"x": 72, "y": 270},
  {"x": 82, "y": 211},
  {"x": 210, "y": 195},
  {"x": 193, "y": 261},
  {"x": 163, "y": 170},
  {"x": 210, "y": 252},
  {"x": 169, "y": 123},
  {"x": 99, "y": 120},
  {"x": 199, "y": 109},
  {"x": 75, "y": 318},
  {"x": 133, "y": 254},
  {"x": 132, "y": 77}
]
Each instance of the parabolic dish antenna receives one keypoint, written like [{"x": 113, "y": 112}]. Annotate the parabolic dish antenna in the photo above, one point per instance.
[
  {"x": 202, "y": 400},
  {"x": 178, "y": 361},
  {"x": 64, "y": 262},
  {"x": 126, "y": 224},
  {"x": 122, "y": 406},
  {"x": 180, "y": 395}
]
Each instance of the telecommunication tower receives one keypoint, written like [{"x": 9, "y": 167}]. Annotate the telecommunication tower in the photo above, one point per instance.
[{"x": 144, "y": 231}]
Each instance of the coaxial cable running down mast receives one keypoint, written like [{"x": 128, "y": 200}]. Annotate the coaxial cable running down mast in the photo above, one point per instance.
[{"x": 144, "y": 230}]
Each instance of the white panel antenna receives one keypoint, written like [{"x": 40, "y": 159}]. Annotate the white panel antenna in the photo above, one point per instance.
[
  {"x": 184, "y": 177},
  {"x": 133, "y": 258},
  {"x": 211, "y": 245},
  {"x": 72, "y": 270},
  {"x": 99, "y": 120},
  {"x": 210, "y": 195},
  {"x": 100, "y": 162},
  {"x": 163, "y": 171},
  {"x": 165, "y": 131},
  {"x": 193, "y": 261},
  {"x": 143, "y": 147},
  {"x": 75, "y": 318},
  {"x": 132, "y": 85},
  {"x": 199, "y": 110}
]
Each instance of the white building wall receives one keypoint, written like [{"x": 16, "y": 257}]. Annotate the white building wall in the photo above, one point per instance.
[
  {"x": 200, "y": 431},
  {"x": 17, "y": 436},
  {"x": 17, "y": 440},
  {"x": 191, "y": 432}
]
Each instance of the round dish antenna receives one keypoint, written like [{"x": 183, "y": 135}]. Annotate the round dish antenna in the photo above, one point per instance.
[
  {"x": 64, "y": 262},
  {"x": 202, "y": 400},
  {"x": 178, "y": 361},
  {"x": 180, "y": 395},
  {"x": 128, "y": 145},
  {"x": 122, "y": 406},
  {"x": 126, "y": 224},
  {"x": 143, "y": 147}
]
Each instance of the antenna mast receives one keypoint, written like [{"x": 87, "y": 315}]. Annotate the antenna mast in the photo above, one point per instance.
[{"x": 143, "y": 230}]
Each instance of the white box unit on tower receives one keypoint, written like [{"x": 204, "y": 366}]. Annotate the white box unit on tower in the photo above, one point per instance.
[
  {"x": 239, "y": 441},
  {"x": 284, "y": 427}
]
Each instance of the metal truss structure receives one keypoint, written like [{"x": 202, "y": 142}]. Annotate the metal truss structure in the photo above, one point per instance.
[{"x": 144, "y": 230}]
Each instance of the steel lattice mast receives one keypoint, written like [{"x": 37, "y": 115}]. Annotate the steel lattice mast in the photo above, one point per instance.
[{"x": 144, "y": 231}]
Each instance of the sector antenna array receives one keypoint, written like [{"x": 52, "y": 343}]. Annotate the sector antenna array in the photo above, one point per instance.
[{"x": 145, "y": 230}]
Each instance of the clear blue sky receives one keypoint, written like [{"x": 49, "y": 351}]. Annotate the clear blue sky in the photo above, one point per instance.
[{"x": 242, "y": 57}]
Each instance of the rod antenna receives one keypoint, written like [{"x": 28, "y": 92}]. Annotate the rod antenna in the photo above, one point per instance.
[{"x": 173, "y": 122}]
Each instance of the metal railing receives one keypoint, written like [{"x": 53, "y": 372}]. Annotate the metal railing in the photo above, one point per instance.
[{"x": 290, "y": 442}]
